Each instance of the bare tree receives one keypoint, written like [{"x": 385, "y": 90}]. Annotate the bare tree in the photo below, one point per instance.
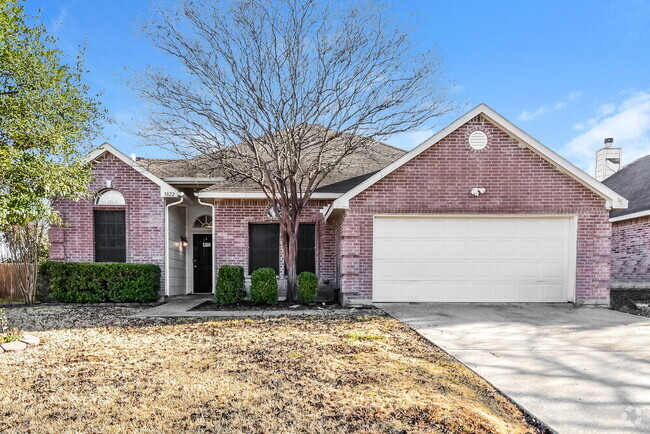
[
  {"x": 26, "y": 244},
  {"x": 281, "y": 93}
]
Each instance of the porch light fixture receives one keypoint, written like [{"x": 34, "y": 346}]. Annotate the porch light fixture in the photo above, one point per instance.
[{"x": 184, "y": 241}]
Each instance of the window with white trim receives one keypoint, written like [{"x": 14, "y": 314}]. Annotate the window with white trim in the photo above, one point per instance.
[
  {"x": 110, "y": 197},
  {"x": 204, "y": 221}
]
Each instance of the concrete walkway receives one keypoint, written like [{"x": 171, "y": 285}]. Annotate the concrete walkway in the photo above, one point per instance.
[
  {"x": 179, "y": 307},
  {"x": 577, "y": 369}
]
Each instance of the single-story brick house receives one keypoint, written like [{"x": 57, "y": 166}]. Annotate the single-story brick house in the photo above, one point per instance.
[
  {"x": 479, "y": 212},
  {"x": 631, "y": 226}
]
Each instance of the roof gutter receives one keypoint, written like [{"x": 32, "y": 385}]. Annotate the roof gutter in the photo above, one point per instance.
[
  {"x": 256, "y": 195},
  {"x": 634, "y": 215}
]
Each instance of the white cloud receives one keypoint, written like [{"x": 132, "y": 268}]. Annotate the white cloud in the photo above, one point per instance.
[
  {"x": 628, "y": 123},
  {"x": 602, "y": 111},
  {"x": 526, "y": 116}
]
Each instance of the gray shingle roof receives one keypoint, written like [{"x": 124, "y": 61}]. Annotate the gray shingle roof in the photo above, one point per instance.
[
  {"x": 633, "y": 183},
  {"x": 356, "y": 168}
]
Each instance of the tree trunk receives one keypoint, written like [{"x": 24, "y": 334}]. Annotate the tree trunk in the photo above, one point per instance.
[
  {"x": 25, "y": 244},
  {"x": 290, "y": 250}
]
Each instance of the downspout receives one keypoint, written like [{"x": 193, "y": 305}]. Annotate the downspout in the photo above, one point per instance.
[
  {"x": 214, "y": 239},
  {"x": 167, "y": 241}
]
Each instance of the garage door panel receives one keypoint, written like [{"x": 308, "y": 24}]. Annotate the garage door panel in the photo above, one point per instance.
[
  {"x": 483, "y": 229},
  {"x": 383, "y": 270},
  {"x": 529, "y": 227},
  {"x": 413, "y": 228},
  {"x": 434, "y": 248},
  {"x": 553, "y": 271},
  {"x": 412, "y": 269},
  {"x": 387, "y": 228},
  {"x": 471, "y": 259},
  {"x": 529, "y": 249},
  {"x": 459, "y": 229},
  {"x": 455, "y": 271},
  {"x": 505, "y": 249},
  {"x": 435, "y": 230},
  {"x": 482, "y": 248},
  {"x": 482, "y": 271},
  {"x": 552, "y": 291},
  {"x": 554, "y": 229},
  {"x": 551, "y": 248},
  {"x": 506, "y": 291},
  {"x": 529, "y": 271},
  {"x": 458, "y": 247},
  {"x": 506, "y": 271},
  {"x": 530, "y": 292}
]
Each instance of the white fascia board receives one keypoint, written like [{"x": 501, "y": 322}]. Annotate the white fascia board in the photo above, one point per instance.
[
  {"x": 634, "y": 215},
  {"x": 253, "y": 195},
  {"x": 613, "y": 199},
  {"x": 166, "y": 190}
]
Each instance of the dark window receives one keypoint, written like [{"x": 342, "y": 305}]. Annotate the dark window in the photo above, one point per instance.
[
  {"x": 306, "y": 259},
  {"x": 110, "y": 236},
  {"x": 263, "y": 246}
]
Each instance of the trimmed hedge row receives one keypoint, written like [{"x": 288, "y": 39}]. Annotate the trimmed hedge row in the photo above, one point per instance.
[
  {"x": 230, "y": 285},
  {"x": 97, "y": 282}
]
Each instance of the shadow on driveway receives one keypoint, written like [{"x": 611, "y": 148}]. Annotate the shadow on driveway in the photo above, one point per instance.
[{"x": 577, "y": 369}]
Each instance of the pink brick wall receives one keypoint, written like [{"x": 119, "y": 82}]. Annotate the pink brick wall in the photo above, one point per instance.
[
  {"x": 144, "y": 217},
  {"x": 631, "y": 253},
  {"x": 231, "y": 223},
  {"x": 439, "y": 181}
]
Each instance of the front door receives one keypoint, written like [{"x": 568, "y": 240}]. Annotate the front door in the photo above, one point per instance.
[{"x": 202, "y": 262}]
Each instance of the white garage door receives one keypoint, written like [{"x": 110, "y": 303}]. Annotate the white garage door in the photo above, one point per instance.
[{"x": 472, "y": 259}]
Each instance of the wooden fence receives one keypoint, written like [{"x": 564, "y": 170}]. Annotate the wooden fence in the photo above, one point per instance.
[{"x": 9, "y": 282}]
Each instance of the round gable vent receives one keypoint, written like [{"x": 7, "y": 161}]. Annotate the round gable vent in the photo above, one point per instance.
[{"x": 478, "y": 140}]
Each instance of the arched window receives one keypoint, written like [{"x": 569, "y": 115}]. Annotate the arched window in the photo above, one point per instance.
[
  {"x": 110, "y": 227},
  {"x": 204, "y": 221},
  {"x": 110, "y": 197}
]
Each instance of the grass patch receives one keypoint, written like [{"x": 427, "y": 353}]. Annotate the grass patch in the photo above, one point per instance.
[
  {"x": 10, "y": 337},
  {"x": 265, "y": 375},
  {"x": 363, "y": 337},
  {"x": 12, "y": 301}
]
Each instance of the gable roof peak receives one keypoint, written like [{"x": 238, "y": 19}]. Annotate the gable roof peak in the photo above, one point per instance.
[
  {"x": 613, "y": 199},
  {"x": 165, "y": 189}
]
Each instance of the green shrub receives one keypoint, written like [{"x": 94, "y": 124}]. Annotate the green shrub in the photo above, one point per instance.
[
  {"x": 264, "y": 286},
  {"x": 307, "y": 287},
  {"x": 230, "y": 284},
  {"x": 97, "y": 282}
]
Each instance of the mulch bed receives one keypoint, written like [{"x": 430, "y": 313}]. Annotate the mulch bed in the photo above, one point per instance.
[
  {"x": 249, "y": 305},
  {"x": 633, "y": 301}
]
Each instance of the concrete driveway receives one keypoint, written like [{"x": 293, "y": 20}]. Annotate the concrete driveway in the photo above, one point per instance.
[{"x": 577, "y": 369}]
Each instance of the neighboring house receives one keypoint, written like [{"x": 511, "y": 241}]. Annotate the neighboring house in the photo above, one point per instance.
[
  {"x": 480, "y": 212},
  {"x": 631, "y": 226}
]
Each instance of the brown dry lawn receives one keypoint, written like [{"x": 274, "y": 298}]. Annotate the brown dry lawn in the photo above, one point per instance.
[{"x": 100, "y": 371}]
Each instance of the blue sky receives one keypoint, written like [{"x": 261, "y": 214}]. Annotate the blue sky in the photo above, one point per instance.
[{"x": 570, "y": 73}]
